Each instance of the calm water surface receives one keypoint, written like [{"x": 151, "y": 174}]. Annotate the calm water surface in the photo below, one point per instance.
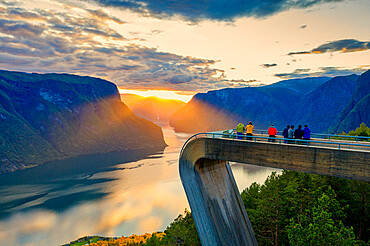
[{"x": 111, "y": 195}]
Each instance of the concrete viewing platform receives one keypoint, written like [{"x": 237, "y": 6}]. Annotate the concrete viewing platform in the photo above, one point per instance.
[{"x": 214, "y": 198}]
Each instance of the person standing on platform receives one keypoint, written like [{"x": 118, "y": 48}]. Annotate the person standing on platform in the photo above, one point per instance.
[
  {"x": 285, "y": 133},
  {"x": 291, "y": 134},
  {"x": 239, "y": 130},
  {"x": 249, "y": 128},
  {"x": 307, "y": 133},
  {"x": 298, "y": 134},
  {"x": 272, "y": 133}
]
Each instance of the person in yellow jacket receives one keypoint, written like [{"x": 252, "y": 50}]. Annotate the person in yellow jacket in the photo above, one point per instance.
[
  {"x": 249, "y": 128},
  {"x": 239, "y": 130}
]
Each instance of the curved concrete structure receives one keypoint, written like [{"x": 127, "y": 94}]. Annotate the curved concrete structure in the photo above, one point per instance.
[{"x": 214, "y": 198}]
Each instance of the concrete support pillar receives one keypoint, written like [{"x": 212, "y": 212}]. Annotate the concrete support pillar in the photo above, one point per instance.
[
  {"x": 215, "y": 202},
  {"x": 214, "y": 198}
]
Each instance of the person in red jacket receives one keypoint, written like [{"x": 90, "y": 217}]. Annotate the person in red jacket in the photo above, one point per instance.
[{"x": 272, "y": 133}]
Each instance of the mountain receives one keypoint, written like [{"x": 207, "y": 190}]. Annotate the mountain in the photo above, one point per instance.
[
  {"x": 320, "y": 107},
  {"x": 357, "y": 109},
  {"x": 152, "y": 108},
  {"x": 223, "y": 109},
  {"x": 44, "y": 117},
  {"x": 313, "y": 101}
]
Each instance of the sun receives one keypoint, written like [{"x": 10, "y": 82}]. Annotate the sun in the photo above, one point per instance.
[{"x": 163, "y": 94}]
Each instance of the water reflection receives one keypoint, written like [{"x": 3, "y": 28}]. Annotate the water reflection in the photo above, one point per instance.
[
  {"x": 112, "y": 195},
  {"x": 245, "y": 174},
  {"x": 62, "y": 184}
]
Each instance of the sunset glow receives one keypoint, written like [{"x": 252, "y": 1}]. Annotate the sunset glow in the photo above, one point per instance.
[{"x": 164, "y": 94}]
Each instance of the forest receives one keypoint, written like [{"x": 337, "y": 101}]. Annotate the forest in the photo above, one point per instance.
[{"x": 288, "y": 209}]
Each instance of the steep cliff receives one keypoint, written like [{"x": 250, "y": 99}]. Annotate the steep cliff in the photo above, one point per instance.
[
  {"x": 319, "y": 108},
  {"x": 358, "y": 108},
  {"x": 44, "y": 117}
]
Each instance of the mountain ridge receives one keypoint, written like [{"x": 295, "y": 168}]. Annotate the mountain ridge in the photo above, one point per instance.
[{"x": 280, "y": 104}]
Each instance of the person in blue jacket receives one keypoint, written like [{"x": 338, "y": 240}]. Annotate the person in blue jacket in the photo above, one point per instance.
[
  {"x": 307, "y": 133},
  {"x": 291, "y": 134},
  {"x": 285, "y": 133}
]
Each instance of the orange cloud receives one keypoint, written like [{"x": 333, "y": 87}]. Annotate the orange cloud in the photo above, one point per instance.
[{"x": 344, "y": 46}]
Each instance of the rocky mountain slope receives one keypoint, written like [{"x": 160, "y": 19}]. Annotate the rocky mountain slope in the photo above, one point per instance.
[
  {"x": 313, "y": 101},
  {"x": 152, "y": 108},
  {"x": 358, "y": 108},
  {"x": 45, "y": 117},
  {"x": 320, "y": 107}
]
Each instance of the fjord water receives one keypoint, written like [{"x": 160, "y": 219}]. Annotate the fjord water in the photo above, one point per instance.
[{"x": 110, "y": 195}]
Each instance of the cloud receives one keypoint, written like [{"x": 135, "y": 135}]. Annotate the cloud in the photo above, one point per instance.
[
  {"x": 80, "y": 41},
  {"x": 20, "y": 29},
  {"x": 103, "y": 16},
  {"x": 323, "y": 71},
  {"x": 14, "y": 60},
  {"x": 179, "y": 79},
  {"x": 154, "y": 32},
  {"x": 220, "y": 10},
  {"x": 10, "y": 2},
  {"x": 267, "y": 65},
  {"x": 344, "y": 46}
]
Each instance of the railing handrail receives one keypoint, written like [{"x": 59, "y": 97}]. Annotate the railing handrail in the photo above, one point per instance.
[
  {"x": 188, "y": 140},
  {"x": 248, "y": 138},
  {"x": 290, "y": 139},
  {"x": 320, "y": 134}
]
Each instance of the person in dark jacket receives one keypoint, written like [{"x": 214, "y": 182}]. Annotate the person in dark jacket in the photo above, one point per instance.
[
  {"x": 307, "y": 133},
  {"x": 285, "y": 133},
  {"x": 298, "y": 134}
]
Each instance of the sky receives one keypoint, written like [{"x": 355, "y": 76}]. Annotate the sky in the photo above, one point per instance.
[{"x": 184, "y": 47}]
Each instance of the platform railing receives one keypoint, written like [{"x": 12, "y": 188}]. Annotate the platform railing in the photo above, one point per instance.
[
  {"x": 364, "y": 146},
  {"x": 322, "y": 135}
]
